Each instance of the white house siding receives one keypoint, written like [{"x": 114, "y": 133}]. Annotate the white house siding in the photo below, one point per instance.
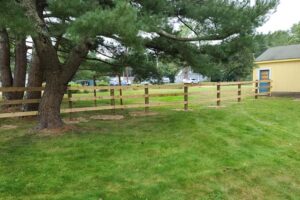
[{"x": 188, "y": 74}]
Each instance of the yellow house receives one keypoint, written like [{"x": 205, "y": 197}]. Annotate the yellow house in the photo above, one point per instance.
[{"x": 282, "y": 66}]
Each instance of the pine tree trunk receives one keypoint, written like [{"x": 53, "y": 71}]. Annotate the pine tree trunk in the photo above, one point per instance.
[
  {"x": 20, "y": 67},
  {"x": 57, "y": 77},
  {"x": 5, "y": 70},
  {"x": 35, "y": 79},
  {"x": 57, "y": 74},
  {"x": 49, "y": 108}
]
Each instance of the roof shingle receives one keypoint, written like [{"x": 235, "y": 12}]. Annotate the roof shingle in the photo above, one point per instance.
[{"x": 280, "y": 53}]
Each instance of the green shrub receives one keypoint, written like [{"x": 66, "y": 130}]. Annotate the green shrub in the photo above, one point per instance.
[
  {"x": 102, "y": 83},
  {"x": 72, "y": 84}
]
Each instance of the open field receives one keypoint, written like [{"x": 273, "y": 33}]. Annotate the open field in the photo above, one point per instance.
[{"x": 243, "y": 151}]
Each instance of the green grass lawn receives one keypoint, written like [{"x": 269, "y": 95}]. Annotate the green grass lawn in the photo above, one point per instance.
[{"x": 243, "y": 151}]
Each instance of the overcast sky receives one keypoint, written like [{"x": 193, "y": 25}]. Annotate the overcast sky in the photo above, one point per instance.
[{"x": 287, "y": 14}]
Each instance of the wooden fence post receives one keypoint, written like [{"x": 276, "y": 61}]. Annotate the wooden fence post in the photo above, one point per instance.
[
  {"x": 270, "y": 89},
  {"x": 239, "y": 92},
  {"x": 120, "y": 90},
  {"x": 121, "y": 94},
  {"x": 112, "y": 100},
  {"x": 218, "y": 94},
  {"x": 256, "y": 89},
  {"x": 146, "y": 98},
  {"x": 95, "y": 91},
  {"x": 70, "y": 101},
  {"x": 186, "y": 97}
]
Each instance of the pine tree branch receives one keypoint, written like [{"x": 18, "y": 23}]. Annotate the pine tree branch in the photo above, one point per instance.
[
  {"x": 198, "y": 38},
  {"x": 32, "y": 14},
  {"x": 91, "y": 59},
  {"x": 76, "y": 57},
  {"x": 103, "y": 61},
  {"x": 187, "y": 25}
]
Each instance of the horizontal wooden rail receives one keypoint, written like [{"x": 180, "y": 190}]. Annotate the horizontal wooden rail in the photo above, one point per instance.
[
  {"x": 263, "y": 87},
  {"x": 133, "y": 87},
  {"x": 236, "y": 83},
  {"x": 167, "y": 95},
  {"x": 212, "y": 100},
  {"x": 74, "y": 110},
  {"x": 18, "y": 114},
  {"x": 229, "y": 91},
  {"x": 18, "y": 102},
  {"x": 122, "y": 97},
  {"x": 21, "y": 89},
  {"x": 203, "y": 101},
  {"x": 91, "y": 88},
  {"x": 105, "y": 97},
  {"x": 192, "y": 94}
]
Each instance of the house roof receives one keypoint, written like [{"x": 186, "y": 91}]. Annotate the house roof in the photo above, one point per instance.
[{"x": 280, "y": 53}]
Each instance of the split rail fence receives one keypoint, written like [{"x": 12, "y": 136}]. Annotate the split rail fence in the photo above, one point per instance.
[{"x": 96, "y": 98}]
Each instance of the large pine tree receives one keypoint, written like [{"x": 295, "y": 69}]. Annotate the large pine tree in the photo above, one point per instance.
[{"x": 66, "y": 33}]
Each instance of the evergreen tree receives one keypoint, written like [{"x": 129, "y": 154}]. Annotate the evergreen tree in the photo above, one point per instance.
[
  {"x": 17, "y": 76},
  {"x": 66, "y": 33}
]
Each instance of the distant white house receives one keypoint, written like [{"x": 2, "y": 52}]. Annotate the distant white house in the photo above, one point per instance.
[
  {"x": 126, "y": 77},
  {"x": 186, "y": 75}
]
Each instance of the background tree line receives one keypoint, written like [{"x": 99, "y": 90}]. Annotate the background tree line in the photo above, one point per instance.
[{"x": 277, "y": 38}]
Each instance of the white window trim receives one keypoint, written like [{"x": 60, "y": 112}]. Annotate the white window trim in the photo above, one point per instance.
[{"x": 262, "y": 69}]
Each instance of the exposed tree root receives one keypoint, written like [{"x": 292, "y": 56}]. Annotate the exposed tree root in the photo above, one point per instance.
[
  {"x": 76, "y": 120},
  {"x": 54, "y": 132},
  {"x": 8, "y": 127},
  {"x": 182, "y": 110},
  {"x": 142, "y": 113}
]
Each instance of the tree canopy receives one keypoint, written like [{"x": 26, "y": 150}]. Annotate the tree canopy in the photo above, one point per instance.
[{"x": 131, "y": 33}]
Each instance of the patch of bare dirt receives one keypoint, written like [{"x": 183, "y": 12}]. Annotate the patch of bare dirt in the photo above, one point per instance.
[
  {"x": 76, "y": 120},
  {"x": 142, "y": 113},
  {"x": 297, "y": 99},
  {"x": 107, "y": 117},
  {"x": 179, "y": 109},
  {"x": 56, "y": 132},
  {"x": 217, "y": 107},
  {"x": 11, "y": 109},
  {"x": 8, "y": 127}
]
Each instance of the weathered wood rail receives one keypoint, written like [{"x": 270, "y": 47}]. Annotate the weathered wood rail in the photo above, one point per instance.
[{"x": 186, "y": 91}]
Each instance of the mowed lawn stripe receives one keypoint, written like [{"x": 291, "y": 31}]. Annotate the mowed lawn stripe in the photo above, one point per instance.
[{"x": 243, "y": 151}]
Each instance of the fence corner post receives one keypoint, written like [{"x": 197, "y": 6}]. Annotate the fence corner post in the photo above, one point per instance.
[
  {"x": 146, "y": 89},
  {"x": 256, "y": 89},
  {"x": 239, "y": 92},
  {"x": 95, "y": 91},
  {"x": 218, "y": 94},
  {"x": 112, "y": 99},
  {"x": 121, "y": 96},
  {"x": 186, "y": 97}
]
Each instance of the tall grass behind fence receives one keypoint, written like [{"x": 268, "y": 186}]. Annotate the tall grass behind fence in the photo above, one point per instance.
[{"x": 94, "y": 98}]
